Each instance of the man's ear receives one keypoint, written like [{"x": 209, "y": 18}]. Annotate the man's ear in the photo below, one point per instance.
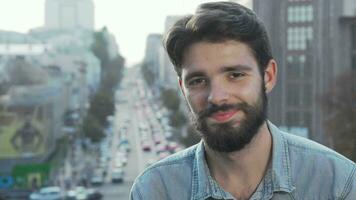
[{"x": 270, "y": 75}]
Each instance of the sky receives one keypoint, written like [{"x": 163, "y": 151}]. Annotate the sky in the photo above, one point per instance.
[{"x": 129, "y": 20}]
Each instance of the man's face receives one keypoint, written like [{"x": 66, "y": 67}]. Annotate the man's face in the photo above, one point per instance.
[{"x": 225, "y": 92}]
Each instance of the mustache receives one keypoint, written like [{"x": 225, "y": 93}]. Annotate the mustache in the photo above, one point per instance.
[{"x": 212, "y": 108}]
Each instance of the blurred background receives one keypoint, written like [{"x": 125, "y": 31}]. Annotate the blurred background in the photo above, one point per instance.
[{"x": 89, "y": 98}]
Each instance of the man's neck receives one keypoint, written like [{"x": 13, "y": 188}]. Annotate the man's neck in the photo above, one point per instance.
[{"x": 241, "y": 172}]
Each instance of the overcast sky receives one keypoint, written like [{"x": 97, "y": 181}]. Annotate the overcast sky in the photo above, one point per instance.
[{"x": 129, "y": 20}]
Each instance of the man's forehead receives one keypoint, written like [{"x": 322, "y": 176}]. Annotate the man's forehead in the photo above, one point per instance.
[{"x": 224, "y": 53}]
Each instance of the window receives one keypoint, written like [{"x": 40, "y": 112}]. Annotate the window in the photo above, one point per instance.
[
  {"x": 290, "y": 14},
  {"x": 297, "y": 14},
  {"x": 293, "y": 68},
  {"x": 299, "y": 37},
  {"x": 309, "y": 33},
  {"x": 302, "y": 14},
  {"x": 296, "y": 66},
  {"x": 293, "y": 94},
  {"x": 353, "y": 51},
  {"x": 308, "y": 69},
  {"x": 309, "y": 13},
  {"x": 302, "y": 59},
  {"x": 353, "y": 37},
  {"x": 307, "y": 95},
  {"x": 290, "y": 39}
]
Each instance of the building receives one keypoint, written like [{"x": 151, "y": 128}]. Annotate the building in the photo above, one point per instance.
[
  {"x": 154, "y": 56},
  {"x": 46, "y": 77},
  {"x": 247, "y": 3},
  {"x": 167, "y": 74},
  {"x": 311, "y": 42},
  {"x": 69, "y": 14}
]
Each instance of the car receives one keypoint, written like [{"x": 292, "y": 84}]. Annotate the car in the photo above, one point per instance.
[
  {"x": 94, "y": 195},
  {"x": 117, "y": 175},
  {"x": 78, "y": 193},
  {"x": 125, "y": 148},
  {"x": 47, "y": 193},
  {"x": 146, "y": 146},
  {"x": 35, "y": 196},
  {"x": 172, "y": 146},
  {"x": 161, "y": 148},
  {"x": 122, "y": 157},
  {"x": 81, "y": 193},
  {"x": 71, "y": 195},
  {"x": 97, "y": 178}
]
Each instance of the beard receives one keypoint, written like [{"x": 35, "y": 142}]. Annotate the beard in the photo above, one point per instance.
[{"x": 226, "y": 138}]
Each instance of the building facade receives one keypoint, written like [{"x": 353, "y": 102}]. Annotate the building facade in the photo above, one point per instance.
[
  {"x": 169, "y": 76},
  {"x": 69, "y": 14},
  {"x": 154, "y": 56},
  {"x": 310, "y": 40}
]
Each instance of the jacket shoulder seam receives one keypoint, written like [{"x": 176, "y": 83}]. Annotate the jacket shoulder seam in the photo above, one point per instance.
[{"x": 348, "y": 184}]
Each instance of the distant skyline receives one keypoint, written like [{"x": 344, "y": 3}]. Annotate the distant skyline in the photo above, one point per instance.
[{"x": 129, "y": 21}]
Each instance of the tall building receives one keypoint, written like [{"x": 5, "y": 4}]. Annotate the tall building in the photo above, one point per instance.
[
  {"x": 69, "y": 14},
  {"x": 154, "y": 55},
  {"x": 169, "y": 76},
  {"x": 311, "y": 42}
]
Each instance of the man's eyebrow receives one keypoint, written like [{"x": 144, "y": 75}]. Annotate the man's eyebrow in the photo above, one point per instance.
[{"x": 235, "y": 68}]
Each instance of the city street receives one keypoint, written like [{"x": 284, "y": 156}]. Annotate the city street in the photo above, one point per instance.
[{"x": 126, "y": 124}]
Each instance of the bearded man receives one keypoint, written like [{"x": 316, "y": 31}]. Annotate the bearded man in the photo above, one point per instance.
[{"x": 225, "y": 68}]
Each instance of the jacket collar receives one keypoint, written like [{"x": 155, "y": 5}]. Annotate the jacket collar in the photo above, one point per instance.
[{"x": 281, "y": 167}]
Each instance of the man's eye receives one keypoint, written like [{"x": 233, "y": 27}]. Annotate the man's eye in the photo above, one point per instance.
[
  {"x": 234, "y": 75},
  {"x": 196, "y": 82}
]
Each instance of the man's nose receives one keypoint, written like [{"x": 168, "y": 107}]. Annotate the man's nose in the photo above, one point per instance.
[{"x": 218, "y": 94}]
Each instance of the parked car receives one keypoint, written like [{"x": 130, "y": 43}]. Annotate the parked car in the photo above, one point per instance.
[
  {"x": 94, "y": 195},
  {"x": 117, "y": 175},
  {"x": 47, "y": 193},
  {"x": 97, "y": 178}
]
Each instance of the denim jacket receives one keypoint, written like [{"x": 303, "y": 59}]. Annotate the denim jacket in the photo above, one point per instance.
[{"x": 301, "y": 169}]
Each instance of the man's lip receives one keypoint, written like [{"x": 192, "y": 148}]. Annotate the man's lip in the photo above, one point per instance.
[{"x": 223, "y": 116}]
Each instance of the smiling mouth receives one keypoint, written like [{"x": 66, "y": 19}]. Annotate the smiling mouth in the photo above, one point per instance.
[{"x": 222, "y": 117}]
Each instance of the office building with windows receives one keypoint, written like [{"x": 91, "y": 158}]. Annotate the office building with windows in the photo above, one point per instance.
[{"x": 311, "y": 42}]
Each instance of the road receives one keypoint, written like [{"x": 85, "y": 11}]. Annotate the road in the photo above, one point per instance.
[
  {"x": 139, "y": 120},
  {"x": 126, "y": 109}
]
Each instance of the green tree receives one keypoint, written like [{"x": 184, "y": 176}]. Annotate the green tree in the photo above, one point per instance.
[
  {"x": 100, "y": 47},
  {"x": 102, "y": 103},
  {"x": 101, "y": 106},
  {"x": 114, "y": 73},
  {"x": 339, "y": 104},
  {"x": 170, "y": 99},
  {"x": 177, "y": 119},
  {"x": 148, "y": 75},
  {"x": 92, "y": 129}
]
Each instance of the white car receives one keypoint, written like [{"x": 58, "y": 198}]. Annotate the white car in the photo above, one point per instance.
[
  {"x": 97, "y": 178},
  {"x": 117, "y": 175},
  {"x": 79, "y": 193},
  {"x": 47, "y": 193}
]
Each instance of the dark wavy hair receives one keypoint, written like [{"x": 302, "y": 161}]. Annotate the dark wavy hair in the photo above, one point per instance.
[{"x": 218, "y": 22}]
